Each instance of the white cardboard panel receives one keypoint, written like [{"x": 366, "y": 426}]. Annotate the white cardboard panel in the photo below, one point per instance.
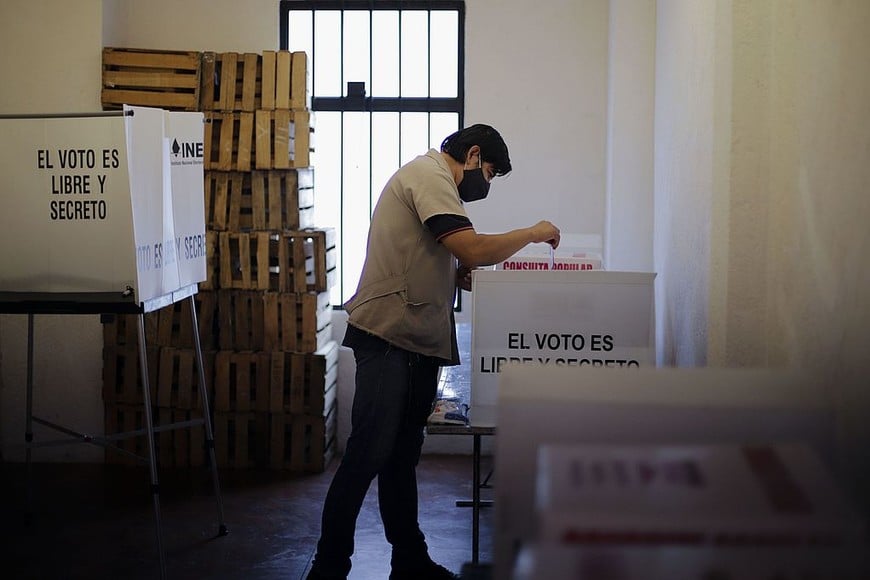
[
  {"x": 557, "y": 318},
  {"x": 102, "y": 203}
]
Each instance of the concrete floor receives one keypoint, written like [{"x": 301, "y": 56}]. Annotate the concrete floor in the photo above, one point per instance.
[{"x": 97, "y": 521}]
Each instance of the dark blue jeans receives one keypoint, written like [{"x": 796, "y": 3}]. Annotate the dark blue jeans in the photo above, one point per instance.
[{"x": 395, "y": 390}]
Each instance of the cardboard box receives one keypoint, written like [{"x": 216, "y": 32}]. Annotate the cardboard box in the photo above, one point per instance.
[{"x": 720, "y": 496}]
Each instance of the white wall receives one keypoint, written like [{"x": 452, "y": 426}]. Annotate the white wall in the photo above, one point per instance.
[
  {"x": 542, "y": 82},
  {"x": 213, "y": 25},
  {"x": 628, "y": 232},
  {"x": 762, "y": 141}
]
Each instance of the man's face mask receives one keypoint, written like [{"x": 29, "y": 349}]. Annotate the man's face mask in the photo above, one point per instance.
[{"x": 474, "y": 185}]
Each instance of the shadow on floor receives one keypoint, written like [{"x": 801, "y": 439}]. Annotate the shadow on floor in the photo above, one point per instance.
[{"x": 97, "y": 521}]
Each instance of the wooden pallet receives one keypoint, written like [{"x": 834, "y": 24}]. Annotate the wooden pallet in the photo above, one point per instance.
[
  {"x": 222, "y": 189},
  {"x": 249, "y": 261},
  {"x": 273, "y": 321},
  {"x": 228, "y": 141},
  {"x": 296, "y": 322},
  {"x": 178, "y": 378},
  {"x": 259, "y": 201},
  {"x": 278, "y": 261},
  {"x": 283, "y": 139},
  {"x": 212, "y": 262},
  {"x": 241, "y": 381},
  {"x": 121, "y": 375},
  {"x": 285, "y": 80},
  {"x": 241, "y": 320},
  {"x": 303, "y": 443},
  {"x": 241, "y": 439},
  {"x": 172, "y": 326},
  {"x": 165, "y": 79},
  {"x": 121, "y": 418},
  {"x": 123, "y": 329},
  {"x": 179, "y": 448},
  {"x": 281, "y": 199},
  {"x": 231, "y": 81},
  {"x": 279, "y": 139},
  {"x": 304, "y": 383},
  {"x": 319, "y": 247}
]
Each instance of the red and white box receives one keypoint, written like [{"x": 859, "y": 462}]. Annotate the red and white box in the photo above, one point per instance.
[{"x": 720, "y": 496}]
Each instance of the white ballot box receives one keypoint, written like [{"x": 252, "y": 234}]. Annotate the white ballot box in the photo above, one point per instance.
[
  {"x": 559, "y": 405},
  {"x": 559, "y": 562},
  {"x": 572, "y": 319},
  {"x": 103, "y": 202},
  {"x": 762, "y": 495}
]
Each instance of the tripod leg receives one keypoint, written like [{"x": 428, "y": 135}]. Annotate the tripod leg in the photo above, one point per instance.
[
  {"x": 149, "y": 434},
  {"x": 206, "y": 414}
]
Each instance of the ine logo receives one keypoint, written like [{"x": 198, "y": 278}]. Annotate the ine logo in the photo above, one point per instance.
[{"x": 186, "y": 150}]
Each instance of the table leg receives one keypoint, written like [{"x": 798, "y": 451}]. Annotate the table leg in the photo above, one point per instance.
[
  {"x": 475, "y": 498},
  {"x": 28, "y": 419}
]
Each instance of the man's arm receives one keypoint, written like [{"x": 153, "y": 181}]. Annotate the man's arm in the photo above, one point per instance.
[{"x": 473, "y": 249}]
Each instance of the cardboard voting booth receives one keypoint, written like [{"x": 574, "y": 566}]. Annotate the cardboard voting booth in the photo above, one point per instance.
[
  {"x": 103, "y": 203},
  {"x": 103, "y": 213},
  {"x": 571, "y": 319}
]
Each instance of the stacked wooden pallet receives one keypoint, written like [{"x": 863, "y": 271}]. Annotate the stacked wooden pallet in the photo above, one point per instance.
[{"x": 264, "y": 314}]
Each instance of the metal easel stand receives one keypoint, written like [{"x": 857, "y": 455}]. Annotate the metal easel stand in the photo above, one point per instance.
[{"x": 99, "y": 303}]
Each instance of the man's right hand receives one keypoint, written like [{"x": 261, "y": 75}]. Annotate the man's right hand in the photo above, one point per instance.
[{"x": 546, "y": 232}]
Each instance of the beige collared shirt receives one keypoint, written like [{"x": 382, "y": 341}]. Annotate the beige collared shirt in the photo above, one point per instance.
[{"x": 408, "y": 282}]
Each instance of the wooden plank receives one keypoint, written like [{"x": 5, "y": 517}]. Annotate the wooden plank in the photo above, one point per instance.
[
  {"x": 212, "y": 262},
  {"x": 283, "y": 67},
  {"x": 264, "y": 129},
  {"x": 217, "y": 194},
  {"x": 268, "y": 80},
  {"x": 182, "y": 438},
  {"x": 154, "y": 80},
  {"x": 238, "y": 185},
  {"x": 208, "y": 100},
  {"x": 227, "y": 150},
  {"x": 165, "y": 447},
  {"x": 283, "y": 158},
  {"x": 245, "y": 137},
  {"x": 116, "y": 98},
  {"x": 300, "y": 139},
  {"x": 299, "y": 82},
  {"x": 249, "y": 75},
  {"x": 265, "y": 250},
  {"x": 165, "y": 79},
  {"x": 163, "y": 59},
  {"x": 227, "y": 66}
]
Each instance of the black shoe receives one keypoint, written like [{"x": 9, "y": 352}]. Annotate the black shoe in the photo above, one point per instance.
[{"x": 427, "y": 571}]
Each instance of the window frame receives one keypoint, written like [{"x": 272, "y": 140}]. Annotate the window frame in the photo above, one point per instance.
[{"x": 371, "y": 104}]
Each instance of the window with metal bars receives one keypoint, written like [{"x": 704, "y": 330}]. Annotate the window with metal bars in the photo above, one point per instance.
[{"x": 386, "y": 83}]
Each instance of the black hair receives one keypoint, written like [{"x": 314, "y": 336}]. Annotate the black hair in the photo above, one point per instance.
[{"x": 492, "y": 146}]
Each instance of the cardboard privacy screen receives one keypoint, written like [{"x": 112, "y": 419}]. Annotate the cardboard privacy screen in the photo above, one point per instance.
[{"x": 102, "y": 203}]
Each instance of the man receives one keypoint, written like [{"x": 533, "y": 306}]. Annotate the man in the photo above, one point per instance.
[{"x": 401, "y": 329}]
